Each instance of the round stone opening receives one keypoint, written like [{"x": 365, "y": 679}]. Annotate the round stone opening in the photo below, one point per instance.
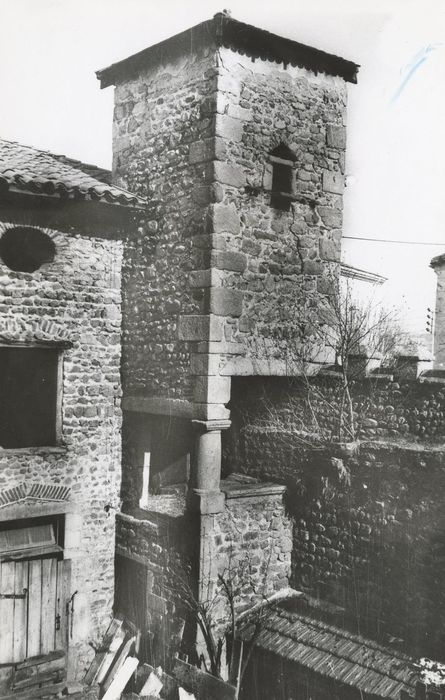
[{"x": 25, "y": 249}]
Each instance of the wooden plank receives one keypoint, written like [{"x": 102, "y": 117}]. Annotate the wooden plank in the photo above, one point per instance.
[
  {"x": 41, "y": 659},
  {"x": 152, "y": 686},
  {"x": 185, "y": 695},
  {"x": 118, "y": 662},
  {"x": 7, "y": 586},
  {"x": 49, "y": 593},
  {"x": 121, "y": 679},
  {"x": 115, "y": 645},
  {"x": 62, "y": 595},
  {"x": 202, "y": 684},
  {"x": 35, "y": 607},
  {"x": 99, "y": 659},
  {"x": 50, "y": 676},
  {"x": 20, "y": 611},
  {"x": 49, "y": 668},
  {"x": 50, "y": 690},
  {"x": 5, "y": 679}
]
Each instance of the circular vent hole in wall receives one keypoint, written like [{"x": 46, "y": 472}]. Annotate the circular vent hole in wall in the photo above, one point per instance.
[{"x": 25, "y": 249}]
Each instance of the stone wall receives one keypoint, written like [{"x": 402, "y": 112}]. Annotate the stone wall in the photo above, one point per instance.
[
  {"x": 158, "y": 117},
  {"x": 76, "y": 300},
  {"x": 368, "y": 531},
  {"x": 252, "y": 542},
  {"x": 249, "y": 547},
  {"x": 207, "y": 279},
  {"x": 383, "y": 408},
  {"x": 277, "y": 256}
]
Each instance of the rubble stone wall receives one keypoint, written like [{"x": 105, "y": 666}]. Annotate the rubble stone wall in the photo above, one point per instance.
[
  {"x": 275, "y": 257},
  {"x": 76, "y": 299},
  {"x": 384, "y": 409},
  {"x": 215, "y": 266},
  {"x": 252, "y": 545},
  {"x": 249, "y": 546},
  {"x": 369, "y": 533},
  {"x": 158, "y": 117}
]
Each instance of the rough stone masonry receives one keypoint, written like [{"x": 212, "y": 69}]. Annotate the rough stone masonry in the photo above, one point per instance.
[
  {"x": 211, "y": 126},
  {"x": 72, "y": 303}
]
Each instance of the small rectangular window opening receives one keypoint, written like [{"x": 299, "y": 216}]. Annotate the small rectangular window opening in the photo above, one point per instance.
[
  {"x": 281, "y": 186},
  {"x": 31, "y": 535},
  {"x": 29, "y": 407}
]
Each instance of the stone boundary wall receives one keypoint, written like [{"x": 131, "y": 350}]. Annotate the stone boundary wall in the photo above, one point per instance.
[
  {"x": 249, "y": 545},
  {"x": 384, "y": 408},
  {"x": 252, "y": 542},
  {"x": 369, "y": 530}
]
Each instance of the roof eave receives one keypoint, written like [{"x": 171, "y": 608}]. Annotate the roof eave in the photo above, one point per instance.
[
  {"x": 222, "y": 30},
  {"x": 66, "y": 196}
]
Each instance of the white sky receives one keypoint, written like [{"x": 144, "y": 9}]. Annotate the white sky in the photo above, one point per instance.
[{"x": 50, "y": 98}]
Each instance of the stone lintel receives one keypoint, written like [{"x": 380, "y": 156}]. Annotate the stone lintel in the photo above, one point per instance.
[
  {"x": 273, "y": 367},
  {"x": 430, "y": 379},
  {"x": 209, "y": 425},
  {"x": 224, "y": 348},
  {"x": 33, "y": 508},
  {"x": 257, "y": 491},
  {"x": 158, "y": 405}
]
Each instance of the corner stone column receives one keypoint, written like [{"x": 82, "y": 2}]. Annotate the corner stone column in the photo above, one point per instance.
[
  {"x": 207, "y": 462},
  {"x": 207, "y": 498}
]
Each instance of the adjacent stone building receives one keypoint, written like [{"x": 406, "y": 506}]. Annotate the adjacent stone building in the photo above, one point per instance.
[{"x": 61, "y": 229}]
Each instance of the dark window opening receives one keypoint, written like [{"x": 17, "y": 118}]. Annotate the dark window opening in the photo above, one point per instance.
[
  {"x": 25, "y": 249},
  {"x": 28, "y": 397},
  {"x": 282, "y": 159},
  {"x": 31, "y": 535}
]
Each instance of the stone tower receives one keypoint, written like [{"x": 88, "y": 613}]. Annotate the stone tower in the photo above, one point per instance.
[
  {"x": 438, "y": 265},
  {"x": 237, "y": 138}
]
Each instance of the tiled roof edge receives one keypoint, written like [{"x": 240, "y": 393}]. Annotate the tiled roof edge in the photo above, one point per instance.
[{"x": 223, "y": 30}]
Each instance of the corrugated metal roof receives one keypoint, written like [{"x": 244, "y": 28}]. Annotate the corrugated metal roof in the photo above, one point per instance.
[
  {"x": 41, "y": 172},
  {"x": 330, "y": 651}
]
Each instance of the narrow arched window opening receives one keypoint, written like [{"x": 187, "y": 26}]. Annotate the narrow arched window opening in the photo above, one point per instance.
[{"x": 282, "y": 160}]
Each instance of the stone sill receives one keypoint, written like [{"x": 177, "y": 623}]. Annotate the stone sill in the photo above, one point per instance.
[
  {"x": 237, "y": 490},
  {"x": 403, "y": 445},
  {"x": 431, "y": 380},
  {"x": 56, "y": 450}
]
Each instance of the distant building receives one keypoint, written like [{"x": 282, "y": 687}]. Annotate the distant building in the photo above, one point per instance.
[{"x": 438, "y": 265}]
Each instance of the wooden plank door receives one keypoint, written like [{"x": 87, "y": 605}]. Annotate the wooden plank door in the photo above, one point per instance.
[
  {"x": 7, "y": 605},
  {"x": 28, "y": 612}
]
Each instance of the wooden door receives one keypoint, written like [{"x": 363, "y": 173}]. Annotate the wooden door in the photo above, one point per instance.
[{"x": 29, "y": 608}]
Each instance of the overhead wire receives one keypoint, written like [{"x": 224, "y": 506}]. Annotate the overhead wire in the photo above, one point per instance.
[{"x": 386, "y": 240}]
